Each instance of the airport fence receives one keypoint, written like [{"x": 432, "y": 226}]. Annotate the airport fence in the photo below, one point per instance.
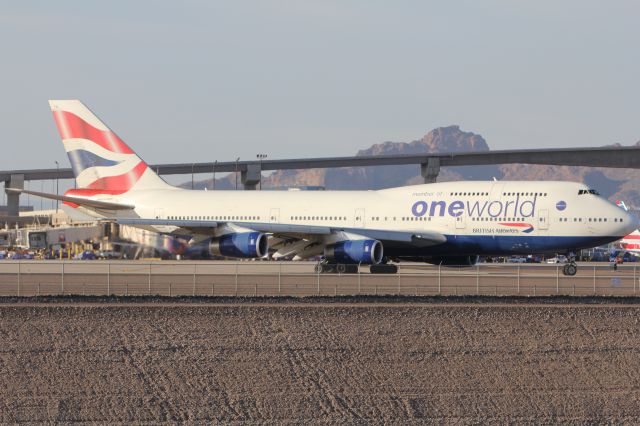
[{"x": 40, "y": 278}]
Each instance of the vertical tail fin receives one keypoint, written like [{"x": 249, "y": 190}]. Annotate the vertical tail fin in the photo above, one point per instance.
[
  {"x": 622, "y": 205},
  {"x": 102, "y": 163}
]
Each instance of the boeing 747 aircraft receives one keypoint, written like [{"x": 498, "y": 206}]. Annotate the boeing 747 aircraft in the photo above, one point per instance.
[{"x": 448, "y": 223}]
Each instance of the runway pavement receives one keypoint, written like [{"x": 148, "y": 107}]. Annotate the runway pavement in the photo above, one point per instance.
[{"x": 257, "y": 278}]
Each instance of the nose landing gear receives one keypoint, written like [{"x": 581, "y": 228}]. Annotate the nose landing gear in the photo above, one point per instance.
[{"x": 570, "y": 268}]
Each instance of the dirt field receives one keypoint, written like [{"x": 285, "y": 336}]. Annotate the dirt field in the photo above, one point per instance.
[{"x": 406, "y": 361}]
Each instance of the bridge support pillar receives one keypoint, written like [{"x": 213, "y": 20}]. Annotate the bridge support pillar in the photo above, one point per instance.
[
  {"x": 13, "y": 200},
  {"x": 430, "y": 169},
  {"x": 250, "y": 177}
]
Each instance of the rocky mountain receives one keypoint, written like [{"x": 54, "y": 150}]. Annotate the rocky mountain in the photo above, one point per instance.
[
  {"x": 613, "y": 183},
  {"x": 442, "y": 139}
]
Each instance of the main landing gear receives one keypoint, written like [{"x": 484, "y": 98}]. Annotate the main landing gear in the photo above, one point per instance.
[
  {"x": 351, "y": 268},
  {"x": 335, "y": 268},
  {"x": 383, "y": 268}
]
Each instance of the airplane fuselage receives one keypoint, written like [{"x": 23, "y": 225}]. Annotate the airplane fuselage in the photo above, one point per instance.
[{"x": 476, "y": 217}]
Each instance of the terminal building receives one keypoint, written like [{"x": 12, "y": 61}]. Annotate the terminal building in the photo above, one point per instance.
[{"x": 47, "y": 234}]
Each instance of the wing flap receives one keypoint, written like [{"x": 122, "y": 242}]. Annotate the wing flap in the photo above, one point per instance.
[{"x": 193, "y": 227}]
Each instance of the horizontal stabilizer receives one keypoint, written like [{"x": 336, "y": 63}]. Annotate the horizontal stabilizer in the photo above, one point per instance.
[{"x": 85, "y": 202}]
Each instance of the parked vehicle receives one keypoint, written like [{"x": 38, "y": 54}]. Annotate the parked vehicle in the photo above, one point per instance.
[
  {"x": 85, "y": 255},
  {"x": 56, "y": 255},
  {"x": 108, "y": 254},
  {"x": 517, "y": 259},
  {"x": 558, "y": 259}
]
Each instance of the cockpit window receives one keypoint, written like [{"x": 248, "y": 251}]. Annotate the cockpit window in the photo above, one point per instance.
[{"x": 588, "y": 191}]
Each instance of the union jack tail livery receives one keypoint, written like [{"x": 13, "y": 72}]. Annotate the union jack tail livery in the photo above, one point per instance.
[{"x": 102, "y": 163}]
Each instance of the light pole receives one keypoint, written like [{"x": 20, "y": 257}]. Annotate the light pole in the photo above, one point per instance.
[
  {"x": 213, "y": 175},
  {"x": 261, "y": 157},
  {"x": 57, "y": 180},
  {"x": 237, "y": 159}
]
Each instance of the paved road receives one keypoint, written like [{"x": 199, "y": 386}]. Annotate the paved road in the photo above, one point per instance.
[{"x": 28, "y": 278}]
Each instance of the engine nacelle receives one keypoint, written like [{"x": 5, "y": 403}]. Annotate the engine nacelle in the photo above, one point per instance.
[
  {"x": 243, "y": 244},
  {"x": 454, "y": 260},
  {"x": 355, "y": 251}
]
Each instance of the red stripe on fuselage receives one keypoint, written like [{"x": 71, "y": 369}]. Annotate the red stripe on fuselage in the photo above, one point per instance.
[
  {"x": 518, "y": 224},
  {"x": 71, "y": 126}
]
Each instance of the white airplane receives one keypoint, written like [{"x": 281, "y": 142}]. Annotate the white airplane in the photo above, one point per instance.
[{"x": 449, "y": 223}]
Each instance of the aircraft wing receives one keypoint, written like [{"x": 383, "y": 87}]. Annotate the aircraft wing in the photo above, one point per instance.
[
  {"x": 422, "y": 238},
  {"x": 416, "y": 238},
  {"x": 85, "y": 202}
]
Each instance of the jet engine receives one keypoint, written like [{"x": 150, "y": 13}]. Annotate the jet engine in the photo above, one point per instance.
[
  {"x": 354, "y": 251},
  {"x": 242, "y": 244}
]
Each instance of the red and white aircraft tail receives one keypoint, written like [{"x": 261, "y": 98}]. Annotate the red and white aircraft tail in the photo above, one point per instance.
[
  {"x": 107, "y": 171},
  {"x": 631, "y": 242},
  {"x": 102, "y": 163}
]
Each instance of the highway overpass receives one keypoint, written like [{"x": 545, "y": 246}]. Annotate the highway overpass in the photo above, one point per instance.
[{"x": 430, "y": 163}]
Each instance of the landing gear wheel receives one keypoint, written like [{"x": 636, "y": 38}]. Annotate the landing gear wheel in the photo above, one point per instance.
[
  {"x": 322, "y": 268},
  {"x": 570, "y": 269},
  {"x": 352, "y": 269},
  {"x": 383, "y": 269},
  {"x": 329, "y": 268}
]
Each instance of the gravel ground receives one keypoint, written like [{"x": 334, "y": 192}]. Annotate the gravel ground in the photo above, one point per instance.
[{"x": 293, "y": 362}]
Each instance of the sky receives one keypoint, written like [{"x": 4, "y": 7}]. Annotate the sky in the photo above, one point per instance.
[{"x": 194, "y": 81}]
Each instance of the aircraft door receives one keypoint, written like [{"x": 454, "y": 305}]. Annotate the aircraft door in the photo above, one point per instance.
[
  {"x": 496, "y": 195},
  {"x": 274, "y": 216},
  {"x": 461, "y": 221},
  {"x": 496, "y": 191},
  {"x": 159, "y": 213},
  {"x": 543, "y": 219},
  {"x": 358, "y": 219}
]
